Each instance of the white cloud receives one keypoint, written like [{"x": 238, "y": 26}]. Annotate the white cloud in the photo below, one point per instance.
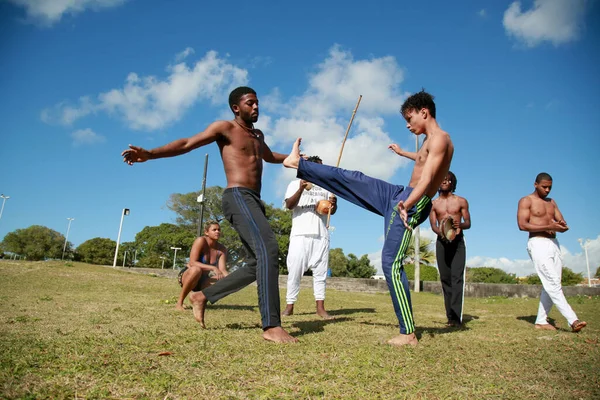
[
  {"x": 321, "y": 114},
  {"x": 184, "y": 54},
  {"x": 149, "y": 103},
  {"x": 48, "y": 12},
  {"x": 86, "y": 137},
  {"x": 482, "y": 13},
  {"x": 556, "y": 21}
]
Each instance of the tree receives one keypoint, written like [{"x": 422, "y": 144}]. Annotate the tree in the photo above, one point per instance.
[
  {"x": 36, "y": 243},
  {"x": 351, "y": 266},
  {"x": 597, "y": 273},
  {"x": 96, "y": 251},
  {"x": 154, "y": 242},
  {"x": 568, "y": 278},
  {"x": 280, "y": 221},
  {"x": 426, "y": 253},
  {"x": 489, "y": 275},
  {"x": 338, "y": 264},
  {"x": 426, "y": 272},
  {"x": 359, "y": 267},
  {"x": 187, "y": 209}
]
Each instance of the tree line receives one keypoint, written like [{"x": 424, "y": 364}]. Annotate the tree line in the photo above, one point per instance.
[{"x": 152, "y": 245}]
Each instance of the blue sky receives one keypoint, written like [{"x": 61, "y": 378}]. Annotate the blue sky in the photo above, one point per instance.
[{"x": 516, "y": 86}]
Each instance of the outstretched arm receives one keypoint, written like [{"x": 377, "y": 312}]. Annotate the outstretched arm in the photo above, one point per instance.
[
  {"x": 270, "y": 156},
  {"x": 398, "y": 150},
  {"x": 177, "y": 147}
]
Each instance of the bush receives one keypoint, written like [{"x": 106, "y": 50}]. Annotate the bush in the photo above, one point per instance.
[
  {"x": 569, "y": 278},
  {"x": 489, "y": 275},
  {"x": 426, "y": 273}
]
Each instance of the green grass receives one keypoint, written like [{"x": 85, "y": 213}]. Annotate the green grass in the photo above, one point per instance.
[{"x": 83, "y": 331}]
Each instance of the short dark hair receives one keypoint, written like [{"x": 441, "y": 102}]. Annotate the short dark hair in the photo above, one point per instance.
[
  {"x": 237, "y": 93},
  {"x": 453, "y": 181},
  {"x": 418, "y": 101},
  {"x": 543, "y": 176},
  {"x": 314, "y": 159},
  {"x": 209, "y": 224}
]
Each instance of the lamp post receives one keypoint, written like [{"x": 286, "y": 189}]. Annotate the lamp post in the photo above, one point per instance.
[
  {"x": 587, "y": 260},
  {"x": 175, "y": 255},
  {"x": 67, "y": 237},
  {"x": 4, "y": 198},
  {"x": 123, "y": 214}
]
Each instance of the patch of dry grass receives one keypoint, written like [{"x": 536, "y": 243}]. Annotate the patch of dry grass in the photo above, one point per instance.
[{"x": 85, "y": 331}]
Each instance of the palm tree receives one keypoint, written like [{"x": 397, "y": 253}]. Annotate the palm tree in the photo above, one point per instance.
[{"x": 426, "y": 252}]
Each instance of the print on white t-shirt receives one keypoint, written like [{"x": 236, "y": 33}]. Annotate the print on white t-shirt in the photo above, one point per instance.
[{"x": 305, "y": 220}]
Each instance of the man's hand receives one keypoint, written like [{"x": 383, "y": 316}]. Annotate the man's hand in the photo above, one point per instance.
[
  {"x": 135, "y": 155},
  {"x": 559, "y": 226},
  {"x": 303, "y": 184},
  {"x": 403, "y": 214},
  {"x": 395, "y": 148}
]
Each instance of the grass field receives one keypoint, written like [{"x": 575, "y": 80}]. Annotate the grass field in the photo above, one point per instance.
[{"x": 83, "y": 331}]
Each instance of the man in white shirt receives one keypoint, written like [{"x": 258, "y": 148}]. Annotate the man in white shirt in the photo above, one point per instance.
[{"x": 309, "y": 239}]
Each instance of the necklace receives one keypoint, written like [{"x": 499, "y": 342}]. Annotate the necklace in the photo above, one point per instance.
[{"x": 249, "y": 130}]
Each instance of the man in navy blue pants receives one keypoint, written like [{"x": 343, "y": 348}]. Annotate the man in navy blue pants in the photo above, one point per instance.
[{"x": 403, "y": 208}]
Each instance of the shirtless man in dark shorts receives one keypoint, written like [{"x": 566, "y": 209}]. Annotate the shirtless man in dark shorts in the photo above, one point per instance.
[
  {"x": 539, "y": 215},
  {"x": 243, "y": 151},
  {"x": 403, "y": 208}
]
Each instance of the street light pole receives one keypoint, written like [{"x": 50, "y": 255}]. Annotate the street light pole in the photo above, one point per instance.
[
  {"x": 4, "y": 198},
  {"x": 67, "y": 237},
  {"x": 175, "y": 255},
  {"x": 587, "y": 260},
  {"x": 123, "y": 214}
]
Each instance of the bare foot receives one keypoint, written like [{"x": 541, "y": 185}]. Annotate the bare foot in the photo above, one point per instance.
[
  {"x": 545, "y": 327},
  {"x": 321, "y": 310},
  {"x": 180, "y": 307},
  {"x": 402, "y": 340},
  {"x": 293, "y": 159},
  {"x": 578, "y": 325},
  {"x": 278, "y": 335},
  {"x": 289, "y": 310},
  {"x": 324, "y": 314},
  {"x": 199, "y": 301}
]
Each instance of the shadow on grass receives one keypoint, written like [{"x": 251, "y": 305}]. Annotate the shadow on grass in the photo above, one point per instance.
[
  {"x": 314, "y": 326},
  {"x": 242, "y": 327},
  {"x": 431, "y": 331},
  {"x": 230, "y": 307},
  {"x": 344, "y": 311},
  {"x": 531, "y": 319}
]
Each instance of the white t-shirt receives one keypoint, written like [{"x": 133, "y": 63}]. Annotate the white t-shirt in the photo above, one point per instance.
[{"x": 305, "y": 220}]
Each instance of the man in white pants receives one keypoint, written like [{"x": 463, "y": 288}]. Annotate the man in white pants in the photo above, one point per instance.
[
  {"x": 309, "y": 240},
  {"x": 539, "y": 215}
]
